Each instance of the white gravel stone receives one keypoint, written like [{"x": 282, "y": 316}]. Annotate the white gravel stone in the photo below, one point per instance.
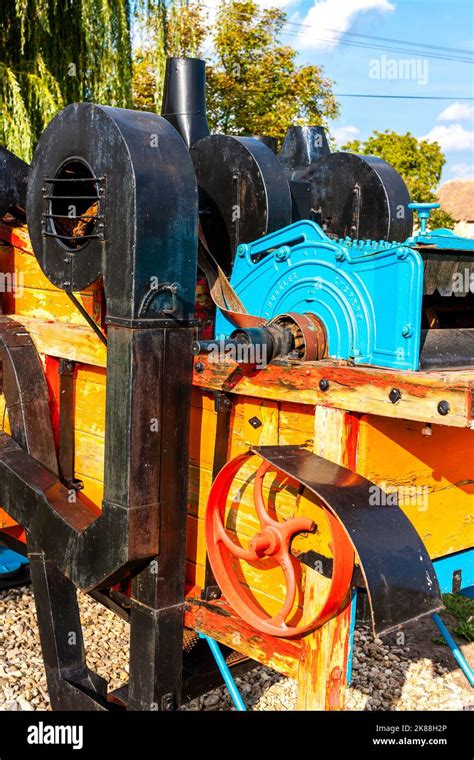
[{"x": 383, "y": 678}]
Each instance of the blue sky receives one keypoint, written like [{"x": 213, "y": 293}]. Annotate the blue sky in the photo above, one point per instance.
[{"x": 319, "y": 30}]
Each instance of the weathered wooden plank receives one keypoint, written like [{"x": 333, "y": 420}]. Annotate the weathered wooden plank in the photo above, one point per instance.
[
  {"x": 323, "y": 667},
  {"x": 78, "y": 343},
  {"x": 433, "y": 476},
  {"x": 358, "y": 389},
  {"x": 223, "y": 625},
  {"x": 17, "y": 237}
]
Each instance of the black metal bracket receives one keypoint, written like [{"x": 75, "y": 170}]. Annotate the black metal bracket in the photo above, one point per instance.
[
  {"x": 398, "y": 573},
  {"x": 66, "y": 425}
]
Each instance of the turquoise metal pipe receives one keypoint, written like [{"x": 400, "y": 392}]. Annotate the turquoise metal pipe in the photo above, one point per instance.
[
  {"x": 225, "y": 673},
  {"x": 457, "y": 654}
]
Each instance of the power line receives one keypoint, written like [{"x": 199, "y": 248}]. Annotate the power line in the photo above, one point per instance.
[
  {"x": 424, "y": 48},
  {"x": 390, "y": 39},
  {"x": 399, "y": 97},
  {"x": 383, "y": 48}
]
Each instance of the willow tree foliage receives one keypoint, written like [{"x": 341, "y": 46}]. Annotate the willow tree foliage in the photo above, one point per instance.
[
  {"x": 54, "y": 52},
  {"x": 163, "y": 28}
]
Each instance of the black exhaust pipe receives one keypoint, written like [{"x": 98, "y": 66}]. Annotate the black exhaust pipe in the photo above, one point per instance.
[{"x": 184, "y": 98}]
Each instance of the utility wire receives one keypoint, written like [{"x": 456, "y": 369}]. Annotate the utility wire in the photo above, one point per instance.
[
  {"x": 423, "y": 48},
  {"x": 399, "y": 97}
]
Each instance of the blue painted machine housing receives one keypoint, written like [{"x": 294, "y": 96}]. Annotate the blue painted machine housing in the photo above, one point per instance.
[
  {"x": 368, "y": 294},
  {"x": 443, "y": 239}
]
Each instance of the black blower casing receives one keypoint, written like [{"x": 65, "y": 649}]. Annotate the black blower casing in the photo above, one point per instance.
[
  {"x": 243, "y": 193},
  {"x": 13, "y": 181},
  {"x": 362, "y": 197}
]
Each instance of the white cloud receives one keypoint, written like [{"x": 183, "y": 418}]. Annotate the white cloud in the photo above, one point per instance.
[
  {"x": 462, "y": 171},
  {"x": 451, "y": 137},
  {"x": 457, "y": 112},
  {"x": 330, "y": 19},
  {"x": 345, "y": 133}
]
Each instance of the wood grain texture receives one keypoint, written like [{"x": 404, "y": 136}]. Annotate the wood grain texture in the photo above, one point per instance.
[
  {"x": 323, "y": 667},
  {"x": 358, "y": 389}
]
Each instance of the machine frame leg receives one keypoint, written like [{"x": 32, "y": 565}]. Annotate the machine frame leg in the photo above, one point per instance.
[
  {"x": 323, "y": 671},
  {"x": 71, "y": 685}
]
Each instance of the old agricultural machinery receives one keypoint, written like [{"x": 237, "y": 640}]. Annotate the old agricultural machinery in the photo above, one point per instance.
[{"x": 237, "y": 395}]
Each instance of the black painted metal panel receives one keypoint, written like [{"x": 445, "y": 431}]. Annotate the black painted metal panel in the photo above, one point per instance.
[{"x": 399, "y": 576}]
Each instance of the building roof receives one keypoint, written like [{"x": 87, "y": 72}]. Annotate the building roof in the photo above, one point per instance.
[{"x": 457, "y": 198}]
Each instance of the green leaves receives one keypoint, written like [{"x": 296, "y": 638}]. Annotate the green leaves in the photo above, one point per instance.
[
  {"x": 254, "y": 85},
  {"x": 419, "y": 162},
  {"x": 54, "y": 52}
]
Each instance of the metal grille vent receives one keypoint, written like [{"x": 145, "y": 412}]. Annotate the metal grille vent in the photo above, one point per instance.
[{"x": 74, "y": 201}]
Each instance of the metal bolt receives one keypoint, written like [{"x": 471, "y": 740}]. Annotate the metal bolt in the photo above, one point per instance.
[
  {"x": 168, "y": 702},
  {"x": 282, "y": 253},
  {"x": 255, "y": 422},
  {"x": 199, "y": 367},
  {"x": 324, "y": 384},
  {"x": 241, "y": 250},
  {"x": 394, "y": 395},
  {"x": 407, "y": 331},
  {"x": 443, "y": 408}
]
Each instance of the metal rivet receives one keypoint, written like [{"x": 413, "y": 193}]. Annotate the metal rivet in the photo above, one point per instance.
[
  {"x": 394, "y": 395},
  {"x": 324, "y": 384},
  {"x": 443, "y": 408},
  {"x": 199, "y": 367},
  {"x": 255, "y": 422}
]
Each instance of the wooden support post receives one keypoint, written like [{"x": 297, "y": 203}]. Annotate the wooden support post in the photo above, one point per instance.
[{"x": 322, "y": 676}]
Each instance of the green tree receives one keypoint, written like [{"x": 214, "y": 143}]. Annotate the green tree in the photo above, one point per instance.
[
  {"x": 419, "y": 162},
  {"x": 173, "y": 28},
  {"x": 254, "y": 83},
  {"x": 54, "y": 52}
]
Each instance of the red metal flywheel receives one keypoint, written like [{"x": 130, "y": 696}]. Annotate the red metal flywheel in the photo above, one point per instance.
[{"x": 273, "y": 540}]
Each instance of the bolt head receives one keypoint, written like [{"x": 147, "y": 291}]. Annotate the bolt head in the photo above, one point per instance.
[
  {"x": 324, "y": 384},
  {"x": 394, "y": 395},
  {"x": 282, "y": 253},
  {"x": 443, "y": 408}
]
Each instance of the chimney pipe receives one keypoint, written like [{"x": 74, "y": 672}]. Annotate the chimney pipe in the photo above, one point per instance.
[{"x": 184, "y": 98}]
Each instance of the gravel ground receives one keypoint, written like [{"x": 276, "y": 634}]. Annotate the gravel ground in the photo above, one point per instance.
[{"x": 386, "y": 675}]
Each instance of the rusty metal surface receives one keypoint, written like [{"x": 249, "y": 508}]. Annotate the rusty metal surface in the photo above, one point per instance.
[
  {"x": 309, "y": 335},
  {"x": 398, "y": 573}
]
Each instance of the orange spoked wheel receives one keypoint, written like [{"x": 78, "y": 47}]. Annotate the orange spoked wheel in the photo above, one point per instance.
[{"x": 272, "y": 540}]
